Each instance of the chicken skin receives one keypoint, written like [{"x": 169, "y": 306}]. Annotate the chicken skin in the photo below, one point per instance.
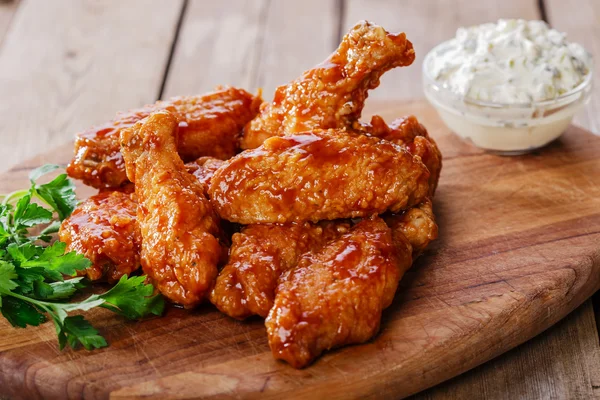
[
  {"x": 321, "y": 175},
  {"x": 203, "y": 169},
  {"x": 332, "y": 95},
  {"x": 410, "y": 134},
  {"x": 104, "y": 229},
  {"x": 209, "y": 125},
  {"x": 259, "y": 254},
  {"x": 180, "y": 249},
  {"x": 417, "y": 225},
  {"x": 336, "y": 296}
]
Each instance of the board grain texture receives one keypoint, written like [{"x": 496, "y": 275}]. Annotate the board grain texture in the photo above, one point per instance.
[{"x": 519, "y": 249}]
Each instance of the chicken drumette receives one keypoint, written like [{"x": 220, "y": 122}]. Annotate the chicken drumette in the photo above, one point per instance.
[
  {"x": 321, "y": 175},
  {"x": 104, "y": 229},
  {"x": 335, "y": 296},
  {"x": 209, "y": 125},
  {"x": 258, "y": 256},
  {"x": 332, "y": 94},
  {"x": 180, "y": 248}
]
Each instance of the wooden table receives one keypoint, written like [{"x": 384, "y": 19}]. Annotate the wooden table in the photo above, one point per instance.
[{"x": 67, "y": 64}]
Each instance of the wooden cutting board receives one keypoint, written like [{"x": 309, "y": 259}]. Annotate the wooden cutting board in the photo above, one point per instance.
[{"x": 519, "y": 249}]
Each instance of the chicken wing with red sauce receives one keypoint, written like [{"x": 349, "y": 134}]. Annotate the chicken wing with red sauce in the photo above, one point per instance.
[
  {"x": 321, "y": 175},
  {"x": 336, "y": 296},
  {"x": 332, "y": 95},
  {"x": 258, "y": 256},
  {"x": 203, "y": 169},
  {"x": 104, "y": 229},
  {"x": 417, "y": 224},
  {"x": 410, "y": 134},
  {"x": 180, "y": 249},
  {"x": 209, "y": 125}
]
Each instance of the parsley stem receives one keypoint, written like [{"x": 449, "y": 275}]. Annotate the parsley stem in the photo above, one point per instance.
[{"x": 17, "y": 194}]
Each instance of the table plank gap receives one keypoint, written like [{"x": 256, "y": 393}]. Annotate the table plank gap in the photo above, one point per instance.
[
  {"x": 298, "y": 36},
  {"x": 7, "y": 12},
  {"x": 341, "y": 14},
  {"x": 217, "y": 45},
  {"x": 542, "y": 9},
  {"x": 172, "y": 50}
]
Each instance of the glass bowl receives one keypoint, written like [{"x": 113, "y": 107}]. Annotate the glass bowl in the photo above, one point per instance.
[{"x": 507, "y": 129}]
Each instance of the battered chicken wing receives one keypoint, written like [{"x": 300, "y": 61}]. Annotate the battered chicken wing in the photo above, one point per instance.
[
  {"x": 416, "y": 224},
  {"x": 410, "y": 134},
  {"x": 104, "y": 229},
  {"x": 332, "y": 94},
  {"x": 258, "y": 256},
  {"x": 315, "y": 176},
  {"x": 180, "y": 251},
  {"x": 209, "y": 126},
  {"x": 203, "y": 169},
  {"x": 336, "y": 296}
]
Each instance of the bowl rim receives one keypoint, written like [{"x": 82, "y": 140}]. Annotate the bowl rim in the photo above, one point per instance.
[{"x": 582, "y": 87}]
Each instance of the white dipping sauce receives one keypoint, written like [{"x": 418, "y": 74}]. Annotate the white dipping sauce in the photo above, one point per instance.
[
  {"x": 510, "y": 86},
  {"x": 510, "y": 62}
]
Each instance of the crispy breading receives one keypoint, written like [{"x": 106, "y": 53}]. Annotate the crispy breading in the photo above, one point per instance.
[
  {"x": 180, "y": 247},
  {"x": 104, "y": 229},
  {"x": 315, "y": 176},
  {"x": 203, "y": 169},
  {"x": 336, "y": 296},
  {"x": 332, "y": 95},
  {"x": 258, "y": 256},
  {"x": 209, "y": 125},
  {"x": 410, "y": 134},
  {"x": 417, "y": 224}
]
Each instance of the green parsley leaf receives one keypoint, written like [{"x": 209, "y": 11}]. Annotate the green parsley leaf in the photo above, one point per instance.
[
  {"x": 59, "y": 194},
  {"x": 20, "y": 313},
  {"x": 65, "y": 289},
  {"x": 7, "y": 277},
  {"x": 28, "y": 214},
  {"x": 37, "y": 173},
  {"x": 78, "y": 330},
  {"x": 54, "y": 258},
  {"x": 132, "y": 298},
  {"x": 32, "y": 284}
]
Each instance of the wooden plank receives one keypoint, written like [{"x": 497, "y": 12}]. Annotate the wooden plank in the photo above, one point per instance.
[
  {"x": 66, "y": 64},
  {"x": 582, "y": 25},
  {"x": 510, "y": 375},
  {"x": 250, "y": 43},
  {"x": 7, "y": 10},
  {"x": 217, "y": 45},
  {"x": 426, "y": 24}
]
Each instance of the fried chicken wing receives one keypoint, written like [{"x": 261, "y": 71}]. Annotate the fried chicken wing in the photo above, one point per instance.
[
  {"x": 203, "y": 169},
  {"x": 410, "y": 134},
  {"x": 417, "y": 225},
  {"x": 336, "y": 296},
  {"x": 258, "y": 256},
  {"x": 180, "y": 248},
  {"x": 316, "y": 176},
  {"x": 332, "y": 94},
  {"x": 104, "y": 229},
  {"x": 209, "y": 125}
]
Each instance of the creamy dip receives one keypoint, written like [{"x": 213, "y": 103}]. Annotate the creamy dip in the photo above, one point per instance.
[{"x": 509, "y": 62}]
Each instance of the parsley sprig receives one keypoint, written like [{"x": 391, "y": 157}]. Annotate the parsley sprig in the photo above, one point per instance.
[{"x": 33, "y": 287}]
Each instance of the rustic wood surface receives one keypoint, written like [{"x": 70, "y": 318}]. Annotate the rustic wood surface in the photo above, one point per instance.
[
  {"x": 67, "y": 64},
  {"x": 515, "y": 255}
]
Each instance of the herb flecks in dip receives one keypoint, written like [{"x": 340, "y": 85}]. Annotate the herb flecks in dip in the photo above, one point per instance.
[{"x": 510, "y": 62}]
